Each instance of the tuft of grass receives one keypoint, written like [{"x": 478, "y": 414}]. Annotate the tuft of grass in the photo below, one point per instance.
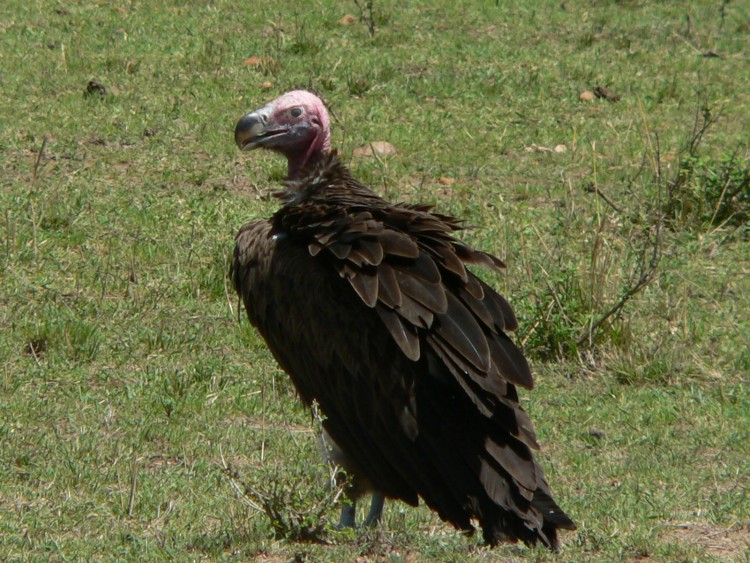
[
  {"x": 295, "y": 503},
  {"x": 712, "y": 193}
]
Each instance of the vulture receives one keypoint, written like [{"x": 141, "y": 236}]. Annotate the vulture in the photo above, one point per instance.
[{"x": 372, "y": 310}]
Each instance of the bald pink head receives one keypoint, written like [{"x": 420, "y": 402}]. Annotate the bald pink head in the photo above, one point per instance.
[{"x": 295, "y": 124}]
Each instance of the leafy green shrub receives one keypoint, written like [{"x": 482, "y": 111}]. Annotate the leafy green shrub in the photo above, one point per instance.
[
  {"x": 710, "y": 193},
  {"x": 296, "y": 495}
]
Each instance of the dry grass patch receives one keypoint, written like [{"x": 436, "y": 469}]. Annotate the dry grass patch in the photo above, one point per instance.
[{"x": 725, "y": 544}]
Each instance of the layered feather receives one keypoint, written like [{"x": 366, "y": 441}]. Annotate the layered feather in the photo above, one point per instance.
[{"x": 371, "y": 309}]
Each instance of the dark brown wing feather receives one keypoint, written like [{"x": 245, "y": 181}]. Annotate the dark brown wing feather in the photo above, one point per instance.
[{"x": 370, "y": 309}]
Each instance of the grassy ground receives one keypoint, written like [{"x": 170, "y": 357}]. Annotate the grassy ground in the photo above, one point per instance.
[{"x": 139, "y": 419}]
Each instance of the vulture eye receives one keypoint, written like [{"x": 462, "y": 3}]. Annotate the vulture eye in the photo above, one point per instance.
[{"x": 296, "y": 112}]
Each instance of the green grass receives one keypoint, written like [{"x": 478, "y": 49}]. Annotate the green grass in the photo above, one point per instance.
[{"x": 139, "y": 419}]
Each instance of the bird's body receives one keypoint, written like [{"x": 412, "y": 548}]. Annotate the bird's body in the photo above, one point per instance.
[{"x": 370, "y": 309}]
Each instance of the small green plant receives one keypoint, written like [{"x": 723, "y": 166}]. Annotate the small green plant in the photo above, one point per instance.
[
  {"x": 580, "y": 297},
  {"x": 711, "y": 193},
  {"x": 295, "y": 499},
  {"x": 358, "y": 85},
  {"x": 367, "y": 15},
  {"x": 708, "y": 192},
  {"x": 303, "y": 42}
]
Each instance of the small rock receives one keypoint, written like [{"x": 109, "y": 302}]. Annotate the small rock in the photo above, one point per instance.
[
  {"x": 587, "y": 96},
  {"x": 596, "y": 433},
  {"x": 382, "y": 148},
  {"x": 255, "y": 60},
  {"x": 94, "y": 88},
  {"x": 606, "y": 93},
  {"x": 533, "y": 147},
  {"x": 36, "y": 346}
]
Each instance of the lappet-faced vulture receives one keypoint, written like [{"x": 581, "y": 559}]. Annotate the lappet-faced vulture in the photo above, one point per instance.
[{"x": 370, "y": 308}]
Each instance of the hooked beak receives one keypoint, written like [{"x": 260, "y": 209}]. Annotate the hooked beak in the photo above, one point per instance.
[{"x": 252, "y": 130}]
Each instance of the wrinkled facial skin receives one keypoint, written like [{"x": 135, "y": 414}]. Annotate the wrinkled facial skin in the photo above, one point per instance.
[
  {"x": 295, "y": 125},
  {"x": 282, "y": 129}
]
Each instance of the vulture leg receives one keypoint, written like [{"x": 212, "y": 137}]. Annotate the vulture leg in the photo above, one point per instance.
[
  {"x": 360, "y": 485},
  {"x": 348, "y": 515},
  {"x": 349, "y": 512},
  {"x": 376, "y": 510}
]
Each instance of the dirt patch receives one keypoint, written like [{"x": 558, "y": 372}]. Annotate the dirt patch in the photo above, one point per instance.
[
  {"x": 727, "y": 544},
  {"x": 257, "y": 423}
]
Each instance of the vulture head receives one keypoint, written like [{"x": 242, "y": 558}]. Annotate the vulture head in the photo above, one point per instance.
[{"x": 295, "y": 124}]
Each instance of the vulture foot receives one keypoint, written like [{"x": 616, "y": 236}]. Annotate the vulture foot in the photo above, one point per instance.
[{"x": 349, "y": 511}]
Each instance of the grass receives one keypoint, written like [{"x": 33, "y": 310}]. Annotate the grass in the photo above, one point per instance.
[{"x": 140, "y": 420}]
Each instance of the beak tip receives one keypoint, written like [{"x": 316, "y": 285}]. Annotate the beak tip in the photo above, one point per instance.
[{"x": 248, "y": 127}]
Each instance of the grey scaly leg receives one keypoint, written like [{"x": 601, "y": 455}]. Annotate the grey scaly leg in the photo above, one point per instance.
[
  {"x": 348, "y": 512},
  {"x": 376, "y": 510}
]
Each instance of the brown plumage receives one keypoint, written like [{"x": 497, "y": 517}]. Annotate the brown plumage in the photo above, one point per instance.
[{"x": 370, "y": 308}]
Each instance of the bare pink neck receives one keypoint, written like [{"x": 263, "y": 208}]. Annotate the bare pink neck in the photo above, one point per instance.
[{"x": 296, "y": 162}]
